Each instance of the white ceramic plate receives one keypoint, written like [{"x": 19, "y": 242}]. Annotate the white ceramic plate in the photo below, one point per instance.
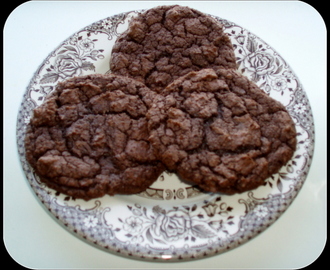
[{"x": 172, "y": 220}]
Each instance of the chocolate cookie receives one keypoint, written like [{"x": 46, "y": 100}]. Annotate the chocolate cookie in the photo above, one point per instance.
[
  {"x": 219, "y": 130},
  {"x": 167, "y": 42},
  {"x": 90, "y": 137}
]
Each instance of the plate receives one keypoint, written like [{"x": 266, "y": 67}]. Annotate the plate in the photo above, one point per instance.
[{"x": 171, "y": 220}]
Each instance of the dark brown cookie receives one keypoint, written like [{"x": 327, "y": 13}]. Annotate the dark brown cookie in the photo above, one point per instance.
[
  {"x": 90, "y": 137},
  {"x": 167, "y": 42},
  {"x": 219, "y": 130}
]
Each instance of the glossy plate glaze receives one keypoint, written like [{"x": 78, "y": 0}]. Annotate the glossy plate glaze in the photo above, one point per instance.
[{"x": 172, "y": 220}]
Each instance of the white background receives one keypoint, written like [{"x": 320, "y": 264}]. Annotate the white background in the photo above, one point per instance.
[{"x": 34, "y": 239}]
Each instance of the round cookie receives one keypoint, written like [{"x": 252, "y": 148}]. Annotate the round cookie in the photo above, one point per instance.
[
  {"x": 167, "y": 42},
  {"x": 218, "y": 129},
  {"x": 90, "y": 137}
]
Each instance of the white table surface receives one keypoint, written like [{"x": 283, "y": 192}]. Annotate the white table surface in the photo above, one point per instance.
[{"x": 33, "y": 238}]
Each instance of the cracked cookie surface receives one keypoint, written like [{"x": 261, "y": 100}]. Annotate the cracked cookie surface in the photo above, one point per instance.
[
  {"x": 90, "y": 137},
  {"x": 167, "y": 42},
  {"x": 218, "y": 129}
]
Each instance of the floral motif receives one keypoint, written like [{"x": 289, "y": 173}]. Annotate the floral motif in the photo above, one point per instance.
[
  {"x": 300, "y": 108},
  {"x": 110, "y": 25},
  {"x": 90, "y": 221},
  {"x": 86, "y": 45},
  {"x": 261, "y": 211},
  {"x": 72, "y": 60},
  {"x": 171, "y": 225},
  {"x": 133, "y": 224},
  {"x": 279, "y": 84},
  {"x": 68, "y": 65},
  {"x": 253, "y": 56},
  {"x": 259, "y": 63},
  {"x": 106, "y": 24},
  {"x": 210, "y": 209}
]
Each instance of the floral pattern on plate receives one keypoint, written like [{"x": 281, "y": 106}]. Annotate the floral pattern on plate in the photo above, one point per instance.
[
  {"x": 172, "y": 220},
  {"x": 72, "y": 60}
]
